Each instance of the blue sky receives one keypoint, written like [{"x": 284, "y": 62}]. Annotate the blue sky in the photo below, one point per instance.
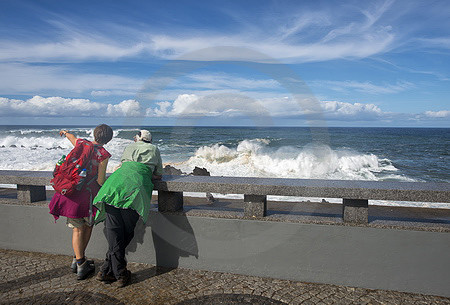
[{"x": 282, "y": 63}]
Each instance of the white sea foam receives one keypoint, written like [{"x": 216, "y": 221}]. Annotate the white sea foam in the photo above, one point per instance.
[
  {"x": 254, "y": 158},
  {"x": 33, "y": 149},
  {"x": 41, "y": 153}
]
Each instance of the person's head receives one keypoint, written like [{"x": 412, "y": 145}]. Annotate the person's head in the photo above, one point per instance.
[
  {"x": 103, "y": 134},
  {"x": 143, "y": 135}
]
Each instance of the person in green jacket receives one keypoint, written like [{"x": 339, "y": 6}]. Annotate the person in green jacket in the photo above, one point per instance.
[{"x": 123, "y": 198}]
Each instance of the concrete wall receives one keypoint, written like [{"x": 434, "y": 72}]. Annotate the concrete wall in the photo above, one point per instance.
[{"x": 402, "y": 260}]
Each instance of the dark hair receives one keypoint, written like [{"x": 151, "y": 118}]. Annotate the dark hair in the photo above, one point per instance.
[{"x": 103, "y": 134}]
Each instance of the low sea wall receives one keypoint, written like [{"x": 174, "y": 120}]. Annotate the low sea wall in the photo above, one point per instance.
[{"x": 353, "y": 253}]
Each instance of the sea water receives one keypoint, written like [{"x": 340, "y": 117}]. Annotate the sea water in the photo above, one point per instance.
[{"x": 373, "y": 154}]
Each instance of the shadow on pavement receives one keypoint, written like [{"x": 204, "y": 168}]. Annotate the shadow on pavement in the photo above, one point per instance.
[
  {"x": 74, "y": 297},
  {"x": 242, "y": 299},
  {"x": 33, "y": 279}
]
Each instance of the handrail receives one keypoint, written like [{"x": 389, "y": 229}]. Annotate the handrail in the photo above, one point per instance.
[{"x": 355, "y": 194}]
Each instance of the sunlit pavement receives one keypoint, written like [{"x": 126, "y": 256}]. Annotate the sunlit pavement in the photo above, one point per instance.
[{"x": 38, "y": 278}]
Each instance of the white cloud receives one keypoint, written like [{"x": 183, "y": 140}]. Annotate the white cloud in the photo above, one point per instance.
[
  {"x": 215, "y": 105},
  {"x": 355, "y": 111},
  {"x": 229, "y": 105},
  {"x": 438, "y": 114},
  {"x": 38, "y": 106},
  {"x": 51, "y": 106},
  {"x": 127, "y": 108},
  {"x": 232, "y": 105}
]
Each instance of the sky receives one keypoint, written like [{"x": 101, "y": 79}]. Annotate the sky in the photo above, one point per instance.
[{"x": 225, "y": 63}]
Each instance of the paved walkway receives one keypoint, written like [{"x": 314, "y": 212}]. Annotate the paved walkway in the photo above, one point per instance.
[{"x": 38, "y": 278}]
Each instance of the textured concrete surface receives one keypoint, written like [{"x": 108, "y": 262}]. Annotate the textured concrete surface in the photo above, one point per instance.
[
  {"x": 409, "y": 218},
  {"x": 37, "y": 278},
  {"x": 349, "y": 189}
]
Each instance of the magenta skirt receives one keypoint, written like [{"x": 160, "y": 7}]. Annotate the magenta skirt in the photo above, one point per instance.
[{"x": 74, "y": 206}]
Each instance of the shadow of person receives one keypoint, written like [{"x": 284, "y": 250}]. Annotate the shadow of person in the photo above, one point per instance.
[
  {"x": 139, "y": 232},
  {"x": 173, "y": 237}
]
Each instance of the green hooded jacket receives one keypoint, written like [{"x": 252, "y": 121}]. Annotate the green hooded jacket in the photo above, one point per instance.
[{"x": 129, "y": 187}]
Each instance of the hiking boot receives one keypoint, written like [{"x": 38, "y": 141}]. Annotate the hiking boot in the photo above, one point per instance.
[
  {"x": 105, "y": 277},
  {"x": 74, "y": 265},
  {"x": 124, "y": 280},
  {"x": 85, "y": 269}
]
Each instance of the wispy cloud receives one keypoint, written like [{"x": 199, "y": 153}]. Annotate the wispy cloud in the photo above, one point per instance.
[
  {"x": 436, "y": 42},
  {"x": 73, "y": 49},
  {"x": 291, "y": 41},
  {"x": 19, "y": 78},
  {"x": 364, "y": 87}
]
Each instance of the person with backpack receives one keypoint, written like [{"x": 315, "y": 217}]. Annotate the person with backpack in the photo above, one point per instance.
[
  {"x": 125, "y": 197},
  {"x": 77, "y": 179}
]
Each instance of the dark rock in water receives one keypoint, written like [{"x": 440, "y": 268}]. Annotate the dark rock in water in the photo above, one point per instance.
[
  {"x": 200, "y": 172},
  {"x": 170, "y": 170}
]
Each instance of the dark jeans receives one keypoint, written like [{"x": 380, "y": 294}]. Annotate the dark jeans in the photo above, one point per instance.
[{"x": 120, "y": 224}]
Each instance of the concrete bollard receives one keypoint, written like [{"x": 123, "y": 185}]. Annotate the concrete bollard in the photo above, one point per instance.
[
  {"x": 255, "y": 206},
  {"x": 170, "y": 201},
  {"x": 355, "y": 210},
  {"x": 31, "y": 193}
]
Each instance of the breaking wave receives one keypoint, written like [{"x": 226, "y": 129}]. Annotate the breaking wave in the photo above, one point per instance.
[{"x": 255, "y": 158}]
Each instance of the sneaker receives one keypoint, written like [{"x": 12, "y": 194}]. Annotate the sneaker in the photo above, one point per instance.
[
  {"x": 85, "y": 269},
  {"x": 105, "y": 277},
  {"x": 124, "y": 280}
]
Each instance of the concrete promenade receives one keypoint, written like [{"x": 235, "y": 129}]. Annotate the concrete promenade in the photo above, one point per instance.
[{"x": 38, "y": 278}]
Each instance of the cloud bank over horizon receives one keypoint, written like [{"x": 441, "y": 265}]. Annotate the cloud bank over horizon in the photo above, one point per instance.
[{"x": 193, "y": 106}]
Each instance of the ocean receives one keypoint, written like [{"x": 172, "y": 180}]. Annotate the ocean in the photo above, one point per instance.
[{"x": 375, "y": 154}]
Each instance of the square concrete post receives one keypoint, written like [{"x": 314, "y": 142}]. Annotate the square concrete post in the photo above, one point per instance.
[
  {"x": 31, "y": 193},
  {"x": 255, "y": 205},
  {"x": 170, "y": 201},
  {"x": 355, "y": 210}
]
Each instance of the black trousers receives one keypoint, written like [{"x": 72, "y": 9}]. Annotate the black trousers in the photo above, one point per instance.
[{"x": 120, "y": 224}]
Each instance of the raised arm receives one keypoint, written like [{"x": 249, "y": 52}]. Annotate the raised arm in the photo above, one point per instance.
[{"x": 73, "y": 139}]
